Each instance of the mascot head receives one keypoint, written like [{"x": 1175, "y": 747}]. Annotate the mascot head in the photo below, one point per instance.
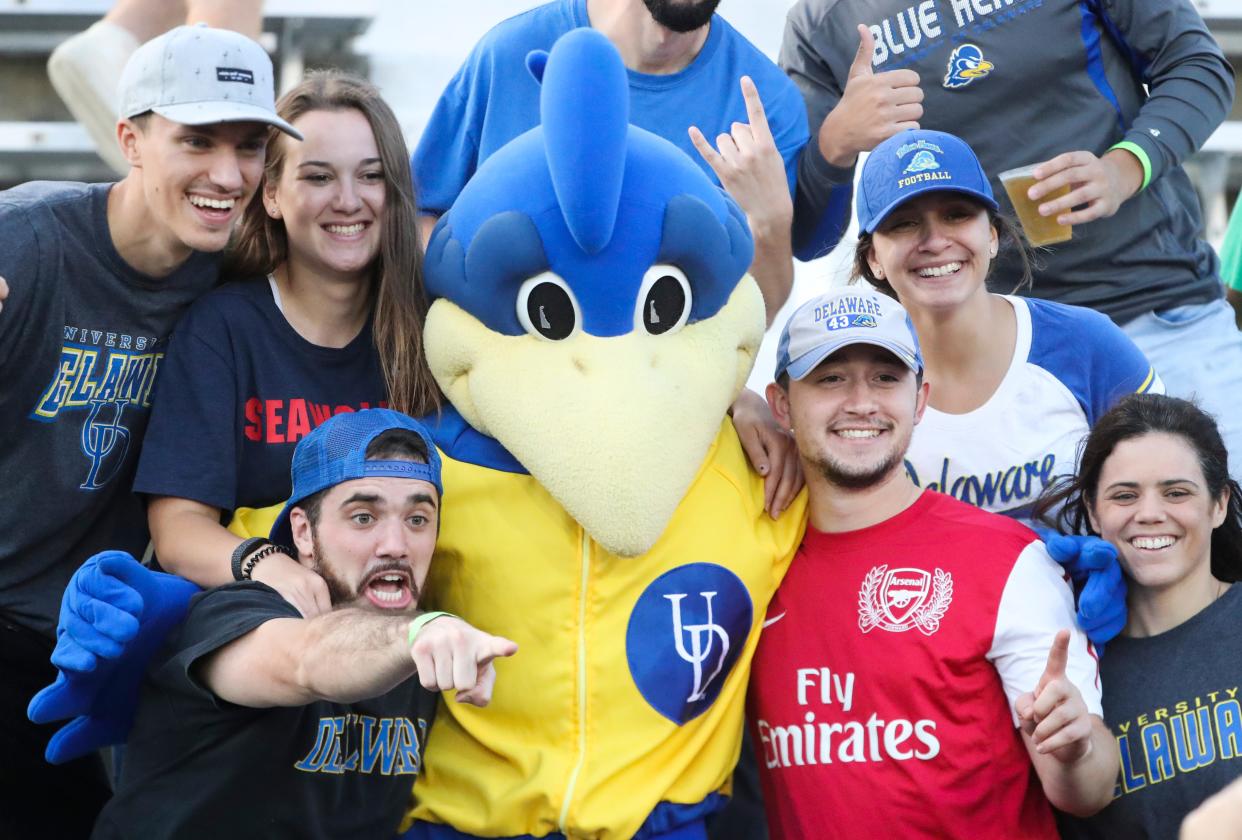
[{"x": 591, "y": 308}]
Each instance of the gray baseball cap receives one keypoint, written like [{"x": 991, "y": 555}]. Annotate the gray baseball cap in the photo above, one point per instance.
[
  {"x": 853, "y": 315},
  {"x": 196, "y": 75}
]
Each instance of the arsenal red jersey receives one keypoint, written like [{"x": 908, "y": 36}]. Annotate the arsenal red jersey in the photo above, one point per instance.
[{"x": 882, "y": 690}]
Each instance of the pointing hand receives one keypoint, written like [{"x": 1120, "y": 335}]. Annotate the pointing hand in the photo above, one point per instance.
[{"x": 1054, "y": 715}]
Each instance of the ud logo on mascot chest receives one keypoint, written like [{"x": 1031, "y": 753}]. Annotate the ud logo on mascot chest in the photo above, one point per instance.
[{"x": 700, "y": 612}]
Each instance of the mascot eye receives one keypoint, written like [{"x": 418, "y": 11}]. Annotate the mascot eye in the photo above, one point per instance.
[
  {"x": 546, "y": 308},
  {"x": 663, "y": 300}
]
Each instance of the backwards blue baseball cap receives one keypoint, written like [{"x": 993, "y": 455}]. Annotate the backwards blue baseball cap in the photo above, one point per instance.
[
  {"x": 853, "y": 315},
  {"x": 336, "y": 452},
  {"x": 915, "y": 162}
]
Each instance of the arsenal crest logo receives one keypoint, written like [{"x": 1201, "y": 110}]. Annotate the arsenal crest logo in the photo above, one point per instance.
[{"x": 899, "y": 599}]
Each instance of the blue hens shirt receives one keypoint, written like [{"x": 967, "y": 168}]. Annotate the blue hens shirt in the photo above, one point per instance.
[
  {"x": 1022, "y": 81},
  {"x": 1069, "y": 366},
  {"x": 238, "y": 389},
  {"x": 493, "y": 99}
]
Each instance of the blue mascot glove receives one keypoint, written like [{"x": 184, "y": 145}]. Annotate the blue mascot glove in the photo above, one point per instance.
[
  {"x": 114, "y": 616},
  {"x": 1093, "y": 565}
]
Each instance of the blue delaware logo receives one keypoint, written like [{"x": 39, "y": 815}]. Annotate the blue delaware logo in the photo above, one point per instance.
[
  {"x": 966, "y": 63},
  {"x": 684, "y": 637}
]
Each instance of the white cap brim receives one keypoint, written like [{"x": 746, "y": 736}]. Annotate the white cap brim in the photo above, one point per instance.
[
  {"x": 206, "y": 113},
  {"x": 807, "y": 362}
]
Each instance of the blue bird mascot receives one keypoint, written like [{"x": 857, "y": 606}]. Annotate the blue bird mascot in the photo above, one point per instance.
[{"x": 592, "y": 323}]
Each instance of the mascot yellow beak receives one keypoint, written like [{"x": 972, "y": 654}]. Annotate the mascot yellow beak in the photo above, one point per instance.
[{"x": 615, "y": 428}]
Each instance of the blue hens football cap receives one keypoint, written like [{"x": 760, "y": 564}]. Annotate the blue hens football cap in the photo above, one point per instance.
[
  {"x": 336, "y": 452},
  {"x": 915, "y": 162},
  {"x": 854, "y": 315}
]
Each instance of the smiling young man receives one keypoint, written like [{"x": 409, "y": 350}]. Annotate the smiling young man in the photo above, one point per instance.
[
  {"x": 97, "y": 274},
  {"x": 915, "y": 666},
  {"x": 256, "y": 722}
]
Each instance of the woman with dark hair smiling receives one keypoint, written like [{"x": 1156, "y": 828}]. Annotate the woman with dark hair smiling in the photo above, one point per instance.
[
  {"x": 1153, "y": 481},
  {"x": 1015, "y": 382}
]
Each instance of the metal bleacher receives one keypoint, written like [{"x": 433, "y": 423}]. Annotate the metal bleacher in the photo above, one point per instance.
[{"x": 38, "y": 138}]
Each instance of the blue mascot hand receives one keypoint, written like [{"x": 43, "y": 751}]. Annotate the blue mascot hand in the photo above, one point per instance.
[
  {"x": 99, "y": 614},
  {"x": 115, "y": 615},
  {"x": 1093, "y": 565}
]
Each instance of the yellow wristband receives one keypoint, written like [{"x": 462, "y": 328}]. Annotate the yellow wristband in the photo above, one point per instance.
[{"x": 418, "y": 623}]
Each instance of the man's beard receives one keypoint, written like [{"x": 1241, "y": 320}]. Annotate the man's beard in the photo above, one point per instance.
[
  {"x": 682, "y": 16},
  {"x": 850, "y": 477},
  {"x": 342, "y": 593}
]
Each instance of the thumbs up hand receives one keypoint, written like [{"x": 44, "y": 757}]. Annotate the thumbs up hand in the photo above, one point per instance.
[
  {"x": 1054, "y": 715},
  {"x": 873, "y": 107}
]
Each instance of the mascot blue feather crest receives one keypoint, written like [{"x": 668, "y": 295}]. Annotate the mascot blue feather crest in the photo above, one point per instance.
[
  {"x": 589, "y": 206},
  {"x": 591, "y": 280},
  {"x": 553, "y": 198}
]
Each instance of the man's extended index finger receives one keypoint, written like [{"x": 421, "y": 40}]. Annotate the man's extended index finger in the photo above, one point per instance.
[
  {"x": 494, "y": 647},
  {"x": 754, "y": 110},
  {"x": 1058, "y": 656}
]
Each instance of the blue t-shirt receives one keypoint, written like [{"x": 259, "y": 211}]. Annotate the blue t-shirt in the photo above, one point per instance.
[
  {"x": 493, "y": 99},
  {"x": 238, "y": 389},
  {"x": 1172, "y": 703}
]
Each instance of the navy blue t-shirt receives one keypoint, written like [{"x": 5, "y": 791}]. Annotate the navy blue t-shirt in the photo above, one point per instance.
[
  {"x": 238, "y": 389},
  {"x": 82, "y": 339}
]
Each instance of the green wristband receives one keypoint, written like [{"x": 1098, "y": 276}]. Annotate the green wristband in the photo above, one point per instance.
[
  {"x": 418, "y": 623},
  {"x": 1137, "y": 150}
]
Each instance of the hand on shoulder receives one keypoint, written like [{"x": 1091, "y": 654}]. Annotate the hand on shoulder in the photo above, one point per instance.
[{"x": 295, "y": 583}]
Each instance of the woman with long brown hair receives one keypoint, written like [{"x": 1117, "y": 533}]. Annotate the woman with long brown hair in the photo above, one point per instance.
[{"x": 324, "y": 314}]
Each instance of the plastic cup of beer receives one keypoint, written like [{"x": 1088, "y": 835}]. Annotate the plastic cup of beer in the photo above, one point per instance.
[{"x": 1039, "y": 230}]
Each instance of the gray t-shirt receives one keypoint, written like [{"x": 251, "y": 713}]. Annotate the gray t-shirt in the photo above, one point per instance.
[
  {"x": 1024, "y": 81},
  {"x": 81, "y": 338},
  {"x": 1173, "y": 703}
]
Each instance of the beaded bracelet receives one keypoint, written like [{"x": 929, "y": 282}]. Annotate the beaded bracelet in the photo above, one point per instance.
[
  {"x": 266, "y": 551},
  {"x": 243, "y": 548}
]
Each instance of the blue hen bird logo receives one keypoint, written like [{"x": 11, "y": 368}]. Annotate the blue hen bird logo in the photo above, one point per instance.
[
  {"x": 923, "y": 161},
  {"x": 966, "y": 64}
]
